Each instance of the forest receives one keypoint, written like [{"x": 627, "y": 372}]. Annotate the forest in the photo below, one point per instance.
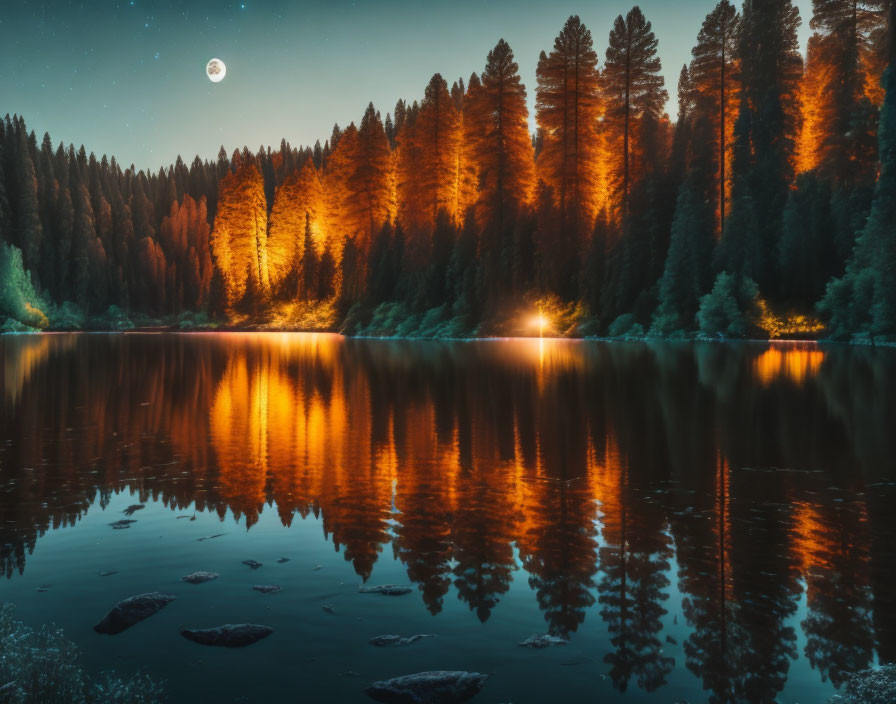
[{"x": 766, "y": 210}]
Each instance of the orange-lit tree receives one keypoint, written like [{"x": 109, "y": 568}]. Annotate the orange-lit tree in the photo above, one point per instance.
[
  {"x": 632, "y": 86},
  {"x": 239, "y": 238},
  {"x": 567, "y": 108},
  {"x": 713, "y": 84},
  {"x": 298, "y": 196}
]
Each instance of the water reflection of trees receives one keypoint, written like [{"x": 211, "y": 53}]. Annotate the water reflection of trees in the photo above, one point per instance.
[{"x": 761, "y": 470}]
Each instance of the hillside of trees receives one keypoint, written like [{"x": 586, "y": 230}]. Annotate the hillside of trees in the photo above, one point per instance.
[{"x": 768, "y": 209}]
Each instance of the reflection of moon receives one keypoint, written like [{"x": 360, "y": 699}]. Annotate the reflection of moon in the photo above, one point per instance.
[{"x": 216, "y": 70}]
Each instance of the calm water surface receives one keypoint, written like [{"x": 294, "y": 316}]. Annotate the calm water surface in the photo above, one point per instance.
[{"x": 703, "y": 522}]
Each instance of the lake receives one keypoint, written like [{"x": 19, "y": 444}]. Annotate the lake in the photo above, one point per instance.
[{"x": 701, "y": 521}]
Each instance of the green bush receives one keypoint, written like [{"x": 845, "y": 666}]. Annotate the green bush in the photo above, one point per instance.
[
  {"x": 18, "y": 299},
  {"x": 726, "y": 310},
  {"x": 44, "y": 667}
]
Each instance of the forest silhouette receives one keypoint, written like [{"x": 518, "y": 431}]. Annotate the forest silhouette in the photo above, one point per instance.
[{"x": 768, "y": 209}]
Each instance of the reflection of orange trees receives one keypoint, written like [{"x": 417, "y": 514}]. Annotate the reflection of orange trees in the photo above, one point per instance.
[
  {"x": 21, "y": 355},
  {"x": 633, "y": 565},
  {"x": 796, "y": 363},
  {"x": 831, "y": 543}
]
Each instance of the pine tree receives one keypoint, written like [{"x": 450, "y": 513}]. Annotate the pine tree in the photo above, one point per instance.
[
  {"x": 770, "y": 69},
  {"x": 632, "y": 84},
  {"x": 28, "y": 231},
  {"x": 503, "y": 148},
  {"x": 239, "y": 239},
  {"x": 864, "y": 299},
  {"x": 567, "y": 107},
  {"x": 846, "y": 144},
  {"x": 429, "y": 153},
  {"x": 714, "y": 88},
  {"x": 310, "y": 277},
  {"x": 371, "y": 182},
  {"x": 298, "y": 199}
]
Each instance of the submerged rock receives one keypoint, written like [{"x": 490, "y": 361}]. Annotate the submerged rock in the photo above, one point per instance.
[
  {"x": 266, "y": 588},
  {"x": 129, "y": 511},
  {"x": 200, "y": 577},
  {"x": 874, "y": 686},
  {"x": 543, "y": 641},
  {"x": 229, "y": 635},
  {"x": 387, "y": 589},
  {"x": 122, "y": 524},
  {"x": 439, "y": 687},
  {"x": 391, "y": 641},
  {"x": 132, "y": 610},
  {"x": 253, "y": 565}
]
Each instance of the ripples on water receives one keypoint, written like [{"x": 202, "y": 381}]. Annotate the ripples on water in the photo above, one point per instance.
[{"x": 705, "y": 520}]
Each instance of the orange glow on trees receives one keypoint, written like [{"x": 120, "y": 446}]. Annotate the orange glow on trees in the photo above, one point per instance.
[
  {"x": 429, "y": 157},
  {"x": 239, "y": 239},
  {"x": 714, "y": 88},
  {"x": 300, "y": 194},
  {"x": 567, "y": 109},
  {"x": 632, "y": 86},
  {"x": 370, "y": 183},
  {"x": 499, "y": 126}
]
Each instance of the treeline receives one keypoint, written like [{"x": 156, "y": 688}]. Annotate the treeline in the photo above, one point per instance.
[{"x": 767, "y": 209}]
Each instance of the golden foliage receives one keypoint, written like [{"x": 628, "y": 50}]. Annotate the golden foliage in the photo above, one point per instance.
[
  {"x": 299, "y": 194},
  {"x": 239, "y": 239}
]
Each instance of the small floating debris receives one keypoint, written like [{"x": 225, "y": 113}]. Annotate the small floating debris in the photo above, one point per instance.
[
  {"x": 211, "y": 537},
  {"x": 329, "y": 609},
  {"x": 315, "y": 568},
  {"x": 122, "y": 524},
  {"x": 229, "y": 635},
  {"x": 266, "y": 588},
  {"x": 43, "y": 589},
  {"x": 132, "y": 610},
  {"x": 109, "y": 573},
  {"x": 386, "y": 590},
  {"x": 438, "y": 686},
  {"x": 200, "y": 577},
  {"x": 130, "y": 510},
  {"x": 391, "y": 641},
  {"x": 543, "y": 641},
  {"x": 282, "y": 560},
  {"x": 253, "y": 565}
]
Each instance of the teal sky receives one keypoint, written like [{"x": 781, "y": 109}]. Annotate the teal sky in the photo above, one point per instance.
[{"x": 128, "y": 78}]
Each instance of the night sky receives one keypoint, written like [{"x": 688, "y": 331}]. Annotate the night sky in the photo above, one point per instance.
[{"x": 128, "y": 78}]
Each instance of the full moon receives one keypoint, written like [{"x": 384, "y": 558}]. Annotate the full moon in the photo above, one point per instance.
[{"x": 216, "y": 70}]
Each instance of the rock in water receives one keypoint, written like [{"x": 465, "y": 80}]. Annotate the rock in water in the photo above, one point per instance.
[
  {"x": 253, "y": 565},
  {"x": 229, "y": 635},
  {"x": 282, "y": 560},
  {"x": 133, "y": 610},
  {"x": 266, "y": 588},
  {"x": 440, "y": 687},
  {"x": 200, "y": 577},
  {"x": 122, "y": 524},
  {"x": 390, "y": 641},
  {"x": 387, "y": 589},
  {"x": 129, "y": 511},
  {"x": 543, "y": 641}
]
